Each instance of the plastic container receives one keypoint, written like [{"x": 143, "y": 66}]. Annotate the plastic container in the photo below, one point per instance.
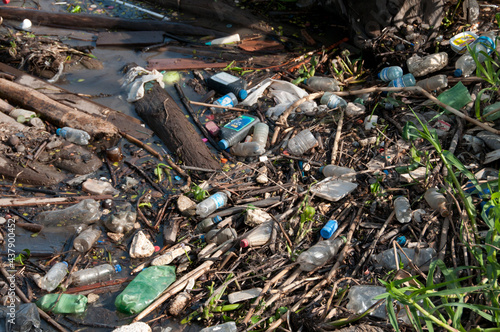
[
  {"x": 228, "y": 100},
  {"x": 94, "y": 275},
  {"x": 338, "y": 172},
  {"x": 319, "y": 254},
  {"x": 423, "y": 259},
  {"x": 371, "y": 122},
  {"x": 390, "y": 73},
  {"x": 224, "y": 40},
  {"x": 63, "y": 303},
  {"x": 322, "y": 83},
  {"x": 437, "y": 201},
  {"x": 54, "y": 276},
  {"x": 403, "y": 209},
  {"x": 144, "y": 289},
  {"x": 212, "y": 203},
  {"x": 330, "y": 227},
  {"x": 466, "y": 65},
  {"x": 22, "y": 115},
  {"x": 419, "y": 66},
  {"x": 406, "y": 80},
  {"x": 207, "y": 223},
  {"x": 361, "y": 298},
  {"x": 86, "y": 211},
  {"x": 86, "y": 239},
  {"x": 224, "y": 83},
  {"x": 258, "y": 236},
  {"x": 260, "y": 134},
  {"x": 434, "y": 83},
  {"x": 72, "y": 135},
  {"x": 332, "y": 101},
  {"x": 236, "y": 130},
  {"x": 122, "y": 221},
  {"x": 219, "y": 236},
  {"x": 226, "y": 327},
  {"x": 301, "y": 142},
  {"x": 247, "y": 149},
  {"x": 459, "y": 42}
]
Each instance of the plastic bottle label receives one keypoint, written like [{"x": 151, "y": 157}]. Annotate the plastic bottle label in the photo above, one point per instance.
[
  {"x": 487, "y": 42},
  {"x": 225, "y": 101},
  {"x": 218, "y": 200},
  {"x": 333, "y": 101},
  {"x": 224, "y": 78},
  {"x": 239, "y": 123}
]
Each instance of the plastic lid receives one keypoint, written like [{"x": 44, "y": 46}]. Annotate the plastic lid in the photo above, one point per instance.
[
  {"x": 401, "y": 240},
  {"x": 58, "y": 131},
  {"x": 244, "y": 243},
  {"x": 208, "y": 43},
  {"x": 202, "y": 237},
  {"x": 223, "y": 144},
  {"x": 321, "y": 169},
  {"x": 118, "y": 268},
  {"x": 330, "y": 228},
  {"x": 457, "y": 72},
  {"x": 242, "y": 94},
  {"x": 216, "y": 219},
  {"x": 64, "y": 263}
]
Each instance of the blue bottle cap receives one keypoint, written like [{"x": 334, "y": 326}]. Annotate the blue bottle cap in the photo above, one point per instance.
[
  {"x": 216, "y": 219},
  {"x": 118, "y": 268},
  {"x": 330, "y": 228},
  {"x": 321, "y": 169},
  {"x": 208, "y": 43},
  {"x": 401, "y": 240},
  {"x": 457, "y": 72},
  {"x": 64, "y": 263},
  {"x": 58, "y": 131},
  {"x": 202, "y": 237},
  {"x": 242, "y": 94},
  {"x": 378, "y": 75},
  {"x": 223, "y": 144},
  {"x": 305, "y": 81}
]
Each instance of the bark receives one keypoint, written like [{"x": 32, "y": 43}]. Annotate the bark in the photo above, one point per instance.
[{"x": 35, "y": 174}]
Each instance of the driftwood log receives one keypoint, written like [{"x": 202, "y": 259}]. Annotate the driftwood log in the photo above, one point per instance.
[{"x": 161, "y": 113}]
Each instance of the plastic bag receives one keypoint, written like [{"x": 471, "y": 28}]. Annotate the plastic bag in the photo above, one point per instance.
[{"x": 136, "y": 78}]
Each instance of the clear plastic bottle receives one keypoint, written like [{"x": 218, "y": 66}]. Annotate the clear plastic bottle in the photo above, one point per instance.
[
  {"x": 224, "y": 83},
  {"x": 422, "y": 259},
  {"x": 73, "y": 135},
  {"x": 94, "y": 275},
  {"x": 319, "y": 254},
  {"x": 228, "y": 100},
  {"x": 63, "y": 303},
  {"x": 22, "y": 115},
  {"x": 434, "y": 83},
  {"x": 247, "y": 149},
  {"x": 301, "y": 142},
  {"x": 390, "y": 73},
  {"x": 437, "y": 201},
  {"x": 86, "y": 239},
  {"x": 258, "y": 236},
  {"x": 332, "y": 101},
  {"x": 212, "y": 203},
  {"x": 421, "y": 66},
  {"x": 122, "y": 221},
  {"x": 404, "y": 81},
  {"x": 403, "y": 209},
  {"x": 219, "y": 236},
  {"x": 361, "y": 298},
  {"x": 236, "y": 130},
  {"x": 226, "y": 327},
  {"x": 86, "y": 211},
  {"x": 466, "y": 65},
  {"x": 207, "y": 223},
  {"x": 338, "y": 172},
  {"x": 330, "y": 227},
  {"x": 322, "y": 83},
  {"x": 224, "y": 40},
  {"x": 54, "y": 276},
  {"x": 260, "y": 134}
]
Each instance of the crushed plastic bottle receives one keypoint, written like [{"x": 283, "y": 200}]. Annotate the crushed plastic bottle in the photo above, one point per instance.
[
  {"x": 260, "y": 134},
  {"x": 322, "y": 83},
  {"x": 419, "y": 66},
  {"x": 207, "y": 223},
  {"x": 333, "y": 190},
  {"x": 361, "y": 298},
  {"x": 54, "y": 276},
  {"x": 220, "y": 236},
  {"x": 434, "y": 83},
  {"x": 224, "y": 83},
  {"x": 87, "y": 211},
  {"x": 86, "y": 239},
  {"x": 247, "y": 149},
  {"x": 319, "y": 254},
  {"x": 244, "y": 295},
  {"x": 338, "y": 172},
  {"x": 22, "y": 115},
  {"x": 228, "y": 100},
  {"x": 437, "y": 201},
  {"x": 236, "y": 130},
  {"x": 390, "y": 73},
  {"x": 332, "y": 101},
  {"x": 212, "y": 203},
  {"x": 403, "y": 209},
  {"x": 301, "y": 142},
  {"x": 259, "y": 236},
  {"x": 63, "y": 303},
  {"x": 482, "y": 46},
  {"x": 169, "y": 256},
  {"x": 97, "y": 187},
  {"x": 226, "y": 327},
  {"x": 25, "y": 318},
  {"x": 94, "y": 275},
  {"x": 423, "y": 259},
  {"x": 122, "y": 221},
  {"x": 404, "y": 81},
  {"x": 73, "y": 135}
]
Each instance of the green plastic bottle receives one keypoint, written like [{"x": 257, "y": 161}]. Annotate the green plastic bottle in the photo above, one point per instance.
[
  {"x": 67, "y": 304},
  {"x": 144, "y": 289}
]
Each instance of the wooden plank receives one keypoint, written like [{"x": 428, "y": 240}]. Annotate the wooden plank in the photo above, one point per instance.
[
  {"x": 130, "y": 38},
  {"x": 183, "y": 64},
  {"x": 260, "y": 45},
  {"x": 30, "y": 201}
]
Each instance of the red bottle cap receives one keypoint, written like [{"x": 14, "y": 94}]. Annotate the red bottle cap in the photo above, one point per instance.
[{"x": 244, "y": 243}]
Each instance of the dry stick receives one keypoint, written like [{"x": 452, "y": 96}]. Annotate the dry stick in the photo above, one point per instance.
[
  {"x": 444, "y": 238},
  {"x": 373, "y": 245},
  {"x": 142, "y": 145},
  {"x": 283, "y": 231},
  {"x": 337, "y": 138},
  {"x": 332, "y": 294},
  {"x": 282, "y": 119},
  {"x": 218, "y": 106},
  {"x": 23, "y": 297}
]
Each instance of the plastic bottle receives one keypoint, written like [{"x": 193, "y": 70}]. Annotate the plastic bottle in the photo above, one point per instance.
[
  {"x": 247, "y": 149},
  {"x": 236, "y": 130},
  {"x": 419, "y": 66},
  {"x": 212, "y": 203},
  {"x": 332, "y": 101},
  {"x": 361, "y": 298},
  {"x": 224, "y": 40},
  {"x": 258, "y": 236},
  {"x": 403, "y": 209},
  {"x": 466, "y": 65},
  {"x": 226, "y": 327},
  {"x": 301, "y": 142},
  {"x": 22, "y": 115},
  {"x": 322, "y": 83},
  {"x": 86, "y": 211},
  {"x": 26, "y": 318},
  {"x": 319, "y": 254},
  {"x": 390, "y": 73},
  {"x": 63, "y": 303},
  {"x": 338, "y": 172},
  {"x": 434, "y": 83},
  {"x": 228, "y": 100},
  {"x": 122, "y": 221},
  {"x": 224, "y": 83},
  {"x": 423, "y": 259},
  {"x": 330, "y": 227},
  {"x": 73, "y": 135},
  {"x": 54, "y": 276},
  {"x": 207, "y": 223},
  {"x": 144, "y": 289},
  {"x": 219, "y": 236},
  {"x": 437, "y": 201},
  {"x": 260, "y": 134},
  {"x": 94, "y": 275},
  {"x": 86, "y": 239},
  {"x": 404, "y": 81}
]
